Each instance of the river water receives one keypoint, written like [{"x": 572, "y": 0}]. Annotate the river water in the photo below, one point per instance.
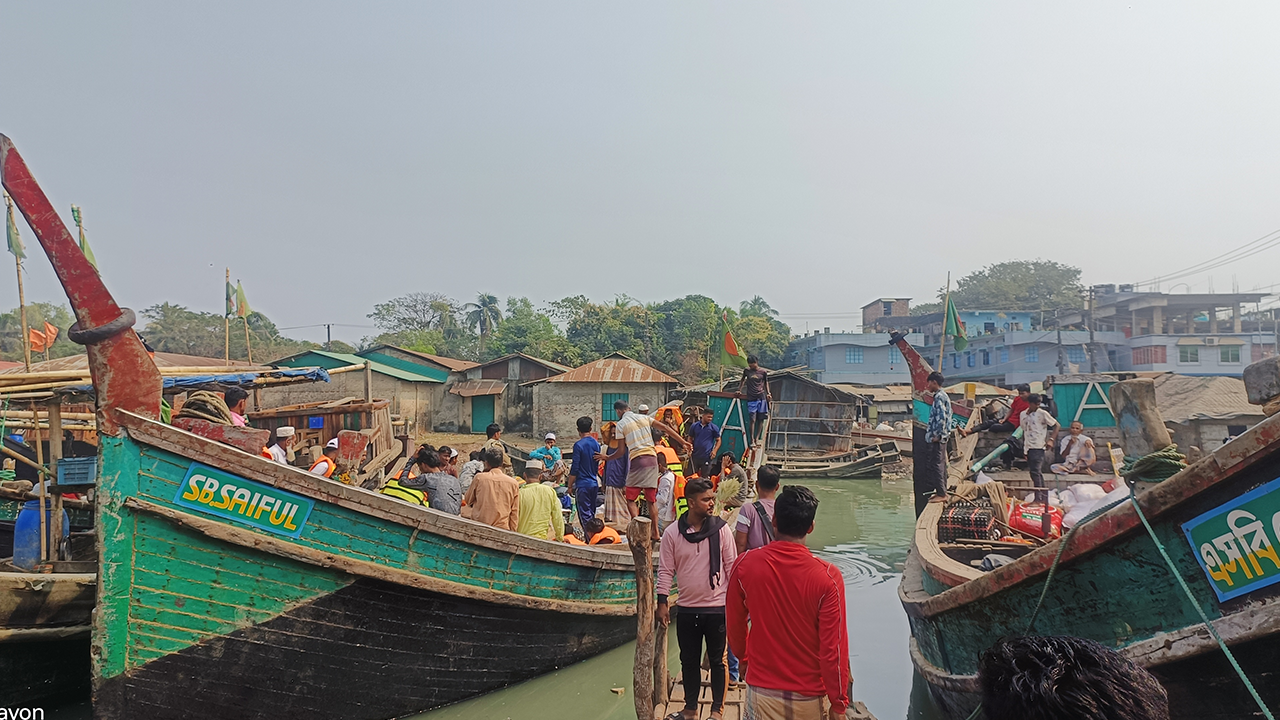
[{"x": 864, "y": 527}]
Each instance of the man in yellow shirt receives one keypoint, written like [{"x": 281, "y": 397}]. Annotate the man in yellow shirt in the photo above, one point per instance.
[{"x": 540, "y": 515}]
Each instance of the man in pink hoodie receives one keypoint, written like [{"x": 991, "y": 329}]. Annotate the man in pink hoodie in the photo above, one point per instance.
[{"x": 699, "y": 550}]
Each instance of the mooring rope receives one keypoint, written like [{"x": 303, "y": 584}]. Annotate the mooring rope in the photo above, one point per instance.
[{"x": 1155, "y": 467}]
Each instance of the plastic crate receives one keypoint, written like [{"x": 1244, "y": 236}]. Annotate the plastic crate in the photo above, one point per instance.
[{"x": 78, "y": 472}]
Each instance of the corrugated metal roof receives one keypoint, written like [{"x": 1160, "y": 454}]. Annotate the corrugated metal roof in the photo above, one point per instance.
[
  {"x": 545, "y": 363},
  {"x": 1183, "y": 398},
  {"x": 331, "y": 360},
  {"x": 452, "y": 364},
  {"x": 472, "y": 388},
  {"x": 617, "y": 368}
]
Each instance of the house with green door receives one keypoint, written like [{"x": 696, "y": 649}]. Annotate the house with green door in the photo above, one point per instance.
[
  {"x": 592, "y": 389},
  {"x": 501, "y": 391}
]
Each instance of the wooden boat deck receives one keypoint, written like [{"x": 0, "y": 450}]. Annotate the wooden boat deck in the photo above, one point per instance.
[{"x": 734, "y": 702}]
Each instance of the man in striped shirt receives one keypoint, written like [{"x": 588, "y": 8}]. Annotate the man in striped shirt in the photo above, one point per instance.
[{"x": 636, "y": 434}]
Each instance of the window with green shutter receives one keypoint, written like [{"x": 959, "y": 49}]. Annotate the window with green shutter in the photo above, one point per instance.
[{"x": 606, "y": 405}]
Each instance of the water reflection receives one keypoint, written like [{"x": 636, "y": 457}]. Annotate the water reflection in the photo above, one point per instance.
[{"x": 864, "y": 528}]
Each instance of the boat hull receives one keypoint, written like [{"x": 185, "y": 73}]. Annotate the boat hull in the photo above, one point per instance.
[
  {"x": 368, "y": 608},
  {"x": 371, "y": 650},
  {"x": 1112, "y": 586}
]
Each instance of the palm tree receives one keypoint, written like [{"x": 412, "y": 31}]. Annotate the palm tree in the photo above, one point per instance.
[
  {"x": 756, "y": 307},
  {"x": 483, "y": 315}
]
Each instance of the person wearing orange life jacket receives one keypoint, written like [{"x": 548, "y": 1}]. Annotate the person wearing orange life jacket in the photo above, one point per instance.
[
  {"x": 280, "y": 450},
  {"x": 328, "y": 462}
]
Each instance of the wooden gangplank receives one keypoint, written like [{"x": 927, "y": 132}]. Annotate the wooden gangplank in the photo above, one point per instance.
[{"x": 734, "y": 702}]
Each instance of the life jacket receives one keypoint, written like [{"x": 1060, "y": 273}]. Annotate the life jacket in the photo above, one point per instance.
[
  {"x": 400, "y": 492},
  {"x": 266, "y": 453},
  {"x": 673, "y": 460},
  {"x": 679, "y": 501},
  {"x": 607, "y": 536},
  {"x": 333, "y": 465},
  {"x": 572, "y": 539}
]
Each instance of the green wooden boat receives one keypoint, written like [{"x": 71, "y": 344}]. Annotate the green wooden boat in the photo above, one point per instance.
[
  {"x": 232, "y": 586},
  {"x": 1112, "y": 586}
]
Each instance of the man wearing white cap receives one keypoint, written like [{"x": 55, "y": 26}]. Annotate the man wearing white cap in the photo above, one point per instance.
[
  {"x": 280, "y": 450},
  {"x": 327, "y": 463},
  {"x": 643, "y": 409},
  {"x": 551, "y": 459}
]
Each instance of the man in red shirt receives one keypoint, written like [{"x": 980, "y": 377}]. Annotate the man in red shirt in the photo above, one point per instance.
[
  {"x": 797, "y": 646},
  {"x": 1010, "y": 423}
]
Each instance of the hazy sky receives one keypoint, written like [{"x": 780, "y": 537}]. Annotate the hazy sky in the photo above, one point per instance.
[{"x": 818, "y": 154}]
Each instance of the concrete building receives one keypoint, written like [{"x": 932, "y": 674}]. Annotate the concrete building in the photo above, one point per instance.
[
  {"x": 1011, "y": 358},
  {"x": 592, "y": 389},
  {"x": 1204, "y": 411},
  {"x": 1190, "y": 334},
  {"x": 885, "y": 311},
  {"x": 409, "y": 390},
  {"x": 851, "y": 358},
  {"x": 501, "y": 391},
  {"x": 444, "y": 409}
]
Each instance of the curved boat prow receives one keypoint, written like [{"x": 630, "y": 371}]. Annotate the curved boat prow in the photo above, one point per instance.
[
  {"x": 124, "y": 376},
  {"x": 917, "y": 365}
]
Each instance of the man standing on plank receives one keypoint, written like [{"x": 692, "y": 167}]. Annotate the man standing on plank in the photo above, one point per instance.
[
  {"x": 797, "y": 646},
  {"x": 636, "y": 434}
]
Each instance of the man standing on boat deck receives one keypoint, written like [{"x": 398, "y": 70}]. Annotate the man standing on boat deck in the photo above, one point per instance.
[
  {"x": 755, "y": 383},
  {"x": 636, "y": 434},
  {"x": 540, "y": 515},
  {"x": 494, "y": 435},
  {"x": 584, "y": 477},
  {"x": 697, "y": 553},
  {"x": 706, "y": 441},
  {"x": 284, "y": 440},
  {"x": 494, "y": 496},
  {"x": 929, "y": 474},
  {"x": 1036, "y": 422},
  {"x": 797, "y": 646}
]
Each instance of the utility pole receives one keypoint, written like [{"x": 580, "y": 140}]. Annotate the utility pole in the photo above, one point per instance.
[
  {"x": 1093, "y": 358},
  {"x": 328, "y": 337},
  {"x": 1062, "y": 368}
]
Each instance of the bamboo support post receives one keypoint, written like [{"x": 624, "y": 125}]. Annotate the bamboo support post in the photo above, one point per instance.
[
  {"x": 1142, "y": 430},
  {"x": 55, "y": 454},
  {"x": 41, "y": 486},
  {"x": 661, "y": 682},
  {"x": 641, "y": 541},
  {"x": 368, "y": 381}
]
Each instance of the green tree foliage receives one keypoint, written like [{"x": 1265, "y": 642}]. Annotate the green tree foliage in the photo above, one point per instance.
[
  {"x": 37, "y": 315},
  {"x": 1015, "y": 285},
  {"x": 483, "y": 316},
  {"x": 174, "y": 328},
  {"x": 528, "y": 331},
  {"x": 425, "y": 322}
]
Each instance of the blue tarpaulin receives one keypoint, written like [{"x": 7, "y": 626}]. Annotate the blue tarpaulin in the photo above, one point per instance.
[{"x": 245, "y": 379}]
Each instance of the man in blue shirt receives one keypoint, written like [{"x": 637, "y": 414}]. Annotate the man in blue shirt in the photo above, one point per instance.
[
  {"x": 929, "y": 475},
  {"x": 549, "y": 455},
  {"x": 583, "y": 477},
  {"x": 706, "y": 441}
]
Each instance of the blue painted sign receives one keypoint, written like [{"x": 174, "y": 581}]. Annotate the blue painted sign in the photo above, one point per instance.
[
  {"x": 1235, "y": 543},
  {"x": 260, "y": 506}
]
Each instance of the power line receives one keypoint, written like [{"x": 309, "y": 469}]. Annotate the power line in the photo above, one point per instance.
[{"x": 1249, "y": 249}]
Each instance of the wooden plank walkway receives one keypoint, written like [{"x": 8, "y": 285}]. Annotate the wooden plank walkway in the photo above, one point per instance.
[{"x": 734, "y": 701}]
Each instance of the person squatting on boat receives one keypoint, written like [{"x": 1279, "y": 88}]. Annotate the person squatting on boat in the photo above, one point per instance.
[
  {"x": 549, "y": 455},
  {"x": 785, "y": 612},
  {"x": 1036, "y": 437},
  {"x": 697, "y": 554},
  {"x": 539, "y": 507},
  {"x": 1061, "y": 678},
  {"x": 1077, "y": 451},
  {"x": 327, "y": 463},
  {"x": 930, "y": 470},
  {"x": 494, "y": 496}
]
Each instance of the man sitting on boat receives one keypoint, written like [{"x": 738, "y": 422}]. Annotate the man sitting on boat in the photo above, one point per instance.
[
  {"x": 539, "y": 507},
  {"x": 328, "y": 462},
  {"x": 1077, "y": 451},
  {"x": 280, "y": 450},
  {"x": 549, "y": 455},
  {"x": 1006, "y": 422},
  {"x": 494, "y": 496},
  {"x": 444, "y": 492}
]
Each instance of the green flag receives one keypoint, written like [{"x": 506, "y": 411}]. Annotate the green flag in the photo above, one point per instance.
[
  {"x": 15, "y": 242},
  {"x": 731, "y": 354},
  {"x": 954, "y": 327},
  {"x": 84, "y": 241},
  {"x": 231, "y": 300},
  {"x": 242, "y": 305}
]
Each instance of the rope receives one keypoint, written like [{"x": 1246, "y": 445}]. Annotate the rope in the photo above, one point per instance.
[
  {"x": 1199, "y": 610},
  {"x": 1159, "y": 465}
]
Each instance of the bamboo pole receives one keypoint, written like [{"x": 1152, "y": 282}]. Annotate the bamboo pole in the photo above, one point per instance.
[
  {"x": 22, "y": 298},
  {"x": 226, "y": 325},
  {"x": 27, "y": 415},
  {"x": 661, "y": 681},
  {"x": 248, "y": 348},
  {"x": 641, "y": 541},
  {"x": 946, "y": 308},
  {"x": 55, "y": 454},
  {"x": 44, "y": 536}
]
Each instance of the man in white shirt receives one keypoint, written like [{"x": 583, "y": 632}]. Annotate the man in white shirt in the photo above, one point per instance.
[
  {"x": 284, "y": 440},
  {"x": 1036, "y": 436},
  {"x": 1077, "y": 451}
]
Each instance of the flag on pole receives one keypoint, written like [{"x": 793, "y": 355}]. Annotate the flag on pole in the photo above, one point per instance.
[
  {"x": 50, "y": 333},
  {"x": 84, "y": 241},
  {"x": 731, "y": 354},
  {"x": 954, "y": 328},
  {"x": 39, "y": 341},
  {"x": 11, "y": 230},
  {"x": 231, "y": 300},
  {"x": 242, "y": 305}
]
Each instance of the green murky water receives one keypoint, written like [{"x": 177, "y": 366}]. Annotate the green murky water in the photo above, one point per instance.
[{"x": 864, "y": 527}]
